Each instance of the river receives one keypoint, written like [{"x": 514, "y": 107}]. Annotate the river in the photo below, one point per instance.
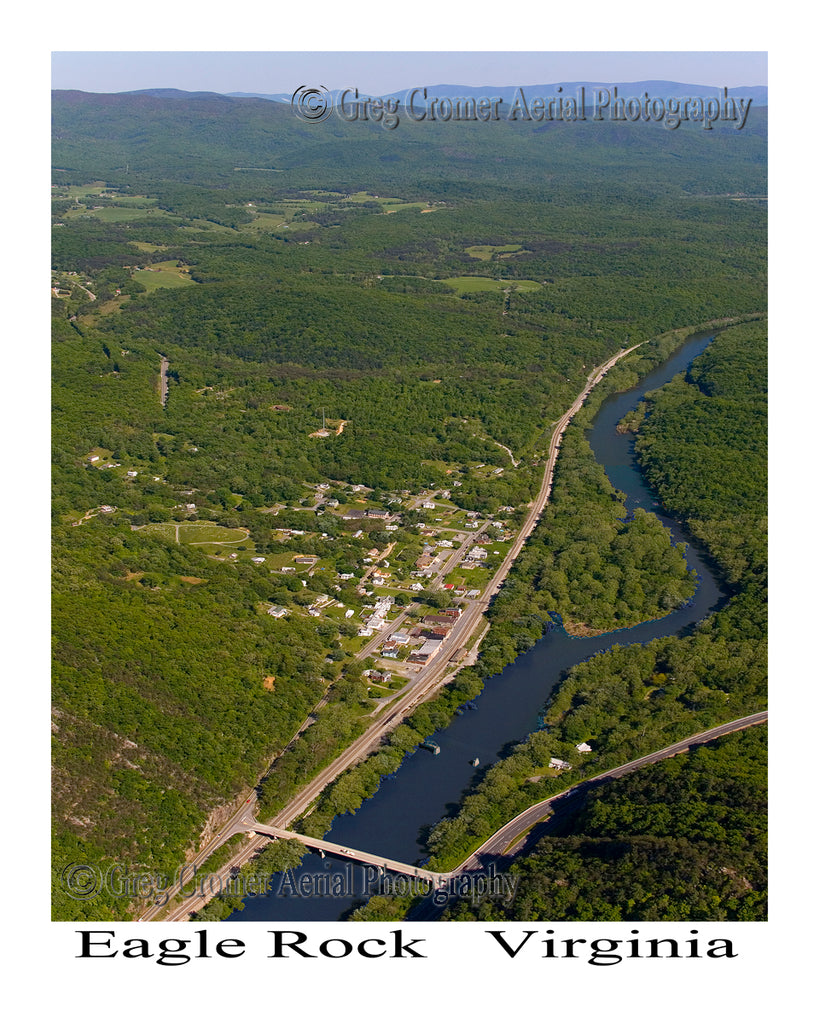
[{"x": 427, "y": 787}]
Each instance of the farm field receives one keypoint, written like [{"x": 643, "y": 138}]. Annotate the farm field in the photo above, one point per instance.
[{"x": 162, "y": 275}]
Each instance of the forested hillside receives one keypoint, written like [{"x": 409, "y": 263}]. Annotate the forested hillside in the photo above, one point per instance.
[
  {"x": 260, "y": 325},
  {"x": 684, "y": 840},
  {"x": 632, "y": 700}
]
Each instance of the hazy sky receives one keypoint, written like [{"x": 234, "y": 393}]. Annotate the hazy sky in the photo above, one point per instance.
[{"x": 383, "y": 72}]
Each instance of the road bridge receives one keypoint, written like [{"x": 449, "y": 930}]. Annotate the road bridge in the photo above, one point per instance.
[{"x": 435, "y": 878}]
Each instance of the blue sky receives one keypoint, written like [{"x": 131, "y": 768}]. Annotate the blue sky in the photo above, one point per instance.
[{"x": 383, "y": 71}]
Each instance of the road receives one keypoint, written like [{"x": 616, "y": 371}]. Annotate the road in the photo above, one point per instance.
[
  {"x": 428, "y": 678},
  {"x": 163, "y": 381},
  {"x": 501, "y": 842},
  {"x": 506, "y": 841},
  {"x": 387, "y": 863}
]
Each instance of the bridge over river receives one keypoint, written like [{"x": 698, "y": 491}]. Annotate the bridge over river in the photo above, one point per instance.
[{"x": 435, "y": 878}]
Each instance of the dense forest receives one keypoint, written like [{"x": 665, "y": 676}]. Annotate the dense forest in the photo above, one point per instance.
[
  {"x": 442, "y": 304},
  {"x": 632, "y": 700},
  {"x": 683, "y": 840}
]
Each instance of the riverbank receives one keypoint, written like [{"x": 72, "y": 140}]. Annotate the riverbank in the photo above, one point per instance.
[
  {"x": 397, "y": 835},
  {"x": 430, "y": 716}
]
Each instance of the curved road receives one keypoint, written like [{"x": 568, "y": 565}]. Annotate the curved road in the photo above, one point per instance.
[
  {"x": 427, "y": 680},
  {"x": 500, "y": 842}
]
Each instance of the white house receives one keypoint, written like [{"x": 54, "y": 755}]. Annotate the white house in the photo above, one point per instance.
[
  {"x": 277, "y": 611},
  {"x": 555, "y": 762},
  {"x": 583, "y": 748}
]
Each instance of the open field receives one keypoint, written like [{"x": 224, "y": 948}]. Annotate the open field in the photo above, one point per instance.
[
  {"x": 196, "y": 533},
  {"x": 162, "y": 275},
  {"x": 462, "y": 285},
  {"x": 486, "y": 252}
]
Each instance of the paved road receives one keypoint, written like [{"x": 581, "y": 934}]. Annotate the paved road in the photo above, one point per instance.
[
  {"x": 428, "y": 679},
  {"x": 387, "y": 863},
  {"x": 500, "y": 842}
]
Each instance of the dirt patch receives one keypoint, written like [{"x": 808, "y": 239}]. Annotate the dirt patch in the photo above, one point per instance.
[{"x": 581, "y": 629}]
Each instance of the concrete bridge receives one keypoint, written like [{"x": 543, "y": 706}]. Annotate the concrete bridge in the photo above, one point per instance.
[{"x": 435, "y": 878}]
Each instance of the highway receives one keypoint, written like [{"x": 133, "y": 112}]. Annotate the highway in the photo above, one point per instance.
[
  {"x": 501, "y": 843},
  {"x": 507, "y": 841}
]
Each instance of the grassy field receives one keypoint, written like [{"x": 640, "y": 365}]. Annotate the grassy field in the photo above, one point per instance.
[
  {"x": 197, "y": 533},
  {"x": 462, "y": 285},
  {"x": 486, "y": 252},
  {"x": 162, "y": 275}
]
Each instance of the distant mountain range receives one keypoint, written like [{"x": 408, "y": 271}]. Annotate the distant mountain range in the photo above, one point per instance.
[{"x": 660, "y": 88}]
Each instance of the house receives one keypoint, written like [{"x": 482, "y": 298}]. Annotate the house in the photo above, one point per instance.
[
  {"x": 583, "y": 748},
  {"x": 190, "y": 506},
  {"x": 258, "y": 560},
  {"x": 349, "y": 613},
  {"x": 107, "y": 508},
  {"x": 305, "y": 559},
  {"x": 277, "y": 611},
  {"x": 131, "y": 472},
  {"x": 93, "y": 458},
  {"x": 377, "y": 513},
  {"x": 555, "y": 762}
]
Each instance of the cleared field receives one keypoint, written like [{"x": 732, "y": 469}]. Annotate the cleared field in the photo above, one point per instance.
[
  {"x": 162, "y": 275},
  {"x": 204, "y": 533},
  {"x": 196, "y": 533},
  {"x": 485, "y": 252},
  {"x": 462, "y": 285},
  {"x": 167, "y": 531},
  {"x": 267, "y": 221}
]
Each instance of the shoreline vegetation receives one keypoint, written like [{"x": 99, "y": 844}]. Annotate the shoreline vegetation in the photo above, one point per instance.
[
  {"x": 209, "y": 586},
  {"x": 727, "y": 649},
  {"x": 360, "y": 782}
]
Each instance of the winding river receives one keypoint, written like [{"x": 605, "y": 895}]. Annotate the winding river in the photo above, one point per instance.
[{"x": 428, "y": 787}]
